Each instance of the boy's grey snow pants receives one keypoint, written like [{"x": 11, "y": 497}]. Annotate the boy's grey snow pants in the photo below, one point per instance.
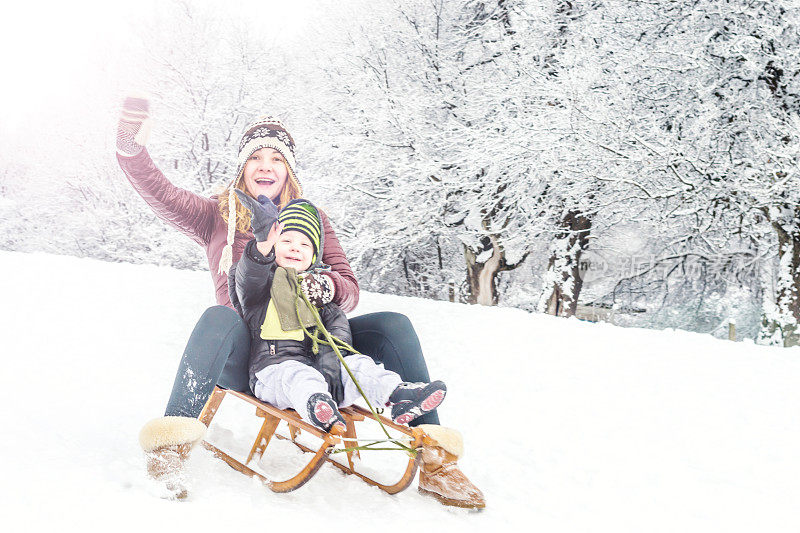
[{"x": 218, "y": 352}]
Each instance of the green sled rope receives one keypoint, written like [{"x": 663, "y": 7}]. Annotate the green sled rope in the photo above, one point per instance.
[{"x": 336, "y": 343}]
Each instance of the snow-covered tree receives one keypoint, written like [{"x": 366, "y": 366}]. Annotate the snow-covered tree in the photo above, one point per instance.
[
  {"x": 711, "y": 91},
  {"x": 454, "y": 142},
  {"x": 463, "y": 144}
]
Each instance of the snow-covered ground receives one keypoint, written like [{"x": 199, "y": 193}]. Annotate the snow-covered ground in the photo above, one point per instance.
[{"x": 568, "y": 426}]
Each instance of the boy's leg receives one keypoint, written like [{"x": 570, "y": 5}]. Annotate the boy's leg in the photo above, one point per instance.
[
  {"x": 290, "y": 385},
  {"x": 409, "y": 400},
  {"x": 389, "y": 338},
  {"x": 376, "y": 382},
  {"x": 217, "y": 353}
]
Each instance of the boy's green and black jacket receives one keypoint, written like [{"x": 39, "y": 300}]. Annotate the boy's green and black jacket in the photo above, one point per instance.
[{"x": 252, "y": 279}]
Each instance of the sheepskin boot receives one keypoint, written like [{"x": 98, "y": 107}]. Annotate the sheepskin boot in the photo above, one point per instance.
[
  {"x": 166, "y": 442},
  {"x": 439, "y": 475}
]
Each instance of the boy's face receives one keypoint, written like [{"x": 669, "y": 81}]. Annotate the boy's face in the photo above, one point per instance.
[{"x": 294, "y": 250}]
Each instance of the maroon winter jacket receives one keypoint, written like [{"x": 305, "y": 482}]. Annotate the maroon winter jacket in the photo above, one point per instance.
[{"x": 199, "y": 218}]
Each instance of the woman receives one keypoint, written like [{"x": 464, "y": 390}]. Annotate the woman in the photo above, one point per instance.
[{"x": 218, "y": 349}]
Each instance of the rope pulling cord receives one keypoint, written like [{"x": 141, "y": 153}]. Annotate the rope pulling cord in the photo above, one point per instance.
[{"x": 332, "y": 341}]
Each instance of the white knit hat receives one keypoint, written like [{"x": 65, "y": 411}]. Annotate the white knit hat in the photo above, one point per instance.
[{"x": 266, "y": 132}]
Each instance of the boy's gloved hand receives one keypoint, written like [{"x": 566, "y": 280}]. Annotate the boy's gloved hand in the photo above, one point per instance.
[
  {"x": 263, "y": 214},
  {"x": 318, "y": 288},
  {"x": 328, "y": 365},
  {"x": 133, "y": 127}
]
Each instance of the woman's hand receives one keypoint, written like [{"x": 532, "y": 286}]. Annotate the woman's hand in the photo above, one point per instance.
[
  {"x": 133, "y": 127},
  {"x": 318, "y": 288},
  {"x": 263, "y": 215}
]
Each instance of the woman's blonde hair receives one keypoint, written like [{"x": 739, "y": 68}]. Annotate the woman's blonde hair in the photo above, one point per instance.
[{"x": 291, "y": 191}]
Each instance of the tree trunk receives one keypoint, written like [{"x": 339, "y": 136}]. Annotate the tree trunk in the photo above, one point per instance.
[
  {"x": 782, "y": 315},
  {"x": 563, "y": 281},
  {"x": 482, "y": 277}
]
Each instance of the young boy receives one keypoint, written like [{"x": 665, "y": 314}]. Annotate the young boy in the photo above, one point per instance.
[{"x": 284, "y": 371}]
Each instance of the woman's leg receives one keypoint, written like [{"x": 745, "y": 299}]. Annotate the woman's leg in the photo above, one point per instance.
[
  {"x": 389, "y": 338},
  {"x": 217, "y": 353}
]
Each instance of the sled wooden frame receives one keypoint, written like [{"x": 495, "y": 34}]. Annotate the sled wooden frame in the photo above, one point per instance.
[{"x": 273, "y": 416}]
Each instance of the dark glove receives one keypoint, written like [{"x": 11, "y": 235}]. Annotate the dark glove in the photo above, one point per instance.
[
  {"x": 318, "y": 288},
  {"x": 330, "y": 367},
  {"x": 133, "y": 127},
  {"x": 263, "y": 214}
]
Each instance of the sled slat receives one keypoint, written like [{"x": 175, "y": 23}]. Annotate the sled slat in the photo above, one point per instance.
[
  {"x": 351, "y": 434},
  {"x": 211, "y": 406},
  {"x": 264, "y": 435}
]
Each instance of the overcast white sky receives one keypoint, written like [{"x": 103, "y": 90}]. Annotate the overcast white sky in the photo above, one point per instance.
[{"x": 49, "y": 50}]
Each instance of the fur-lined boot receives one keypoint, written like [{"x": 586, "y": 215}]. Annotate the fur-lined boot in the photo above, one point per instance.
[
  {"x": 166, "y": 442},
  {"x": 439, "y": 474}
]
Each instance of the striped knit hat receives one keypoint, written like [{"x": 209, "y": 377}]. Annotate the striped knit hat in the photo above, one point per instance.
[
  {"x": 301, "y": 215},
  {"x": 266, "y": 132}
]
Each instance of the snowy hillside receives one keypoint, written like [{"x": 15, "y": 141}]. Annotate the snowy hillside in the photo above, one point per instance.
[{"x": 568, "y": 426}]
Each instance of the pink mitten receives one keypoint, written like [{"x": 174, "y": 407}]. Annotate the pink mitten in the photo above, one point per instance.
[{"x": 133, "y": 127}]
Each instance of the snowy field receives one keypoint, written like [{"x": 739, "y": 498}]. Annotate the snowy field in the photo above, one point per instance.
[{"x": 568, "y": 426}]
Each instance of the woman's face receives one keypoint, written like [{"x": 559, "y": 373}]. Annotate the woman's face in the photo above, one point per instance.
[{"x": 265, "y": 173}]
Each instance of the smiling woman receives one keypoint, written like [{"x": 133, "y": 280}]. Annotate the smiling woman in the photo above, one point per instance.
[
  {"x": 265, "y": 173},
  {"x": 265, "y": 168}
]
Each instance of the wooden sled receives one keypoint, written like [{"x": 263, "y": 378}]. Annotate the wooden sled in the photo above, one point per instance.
[{"x": 273, "y": 416}]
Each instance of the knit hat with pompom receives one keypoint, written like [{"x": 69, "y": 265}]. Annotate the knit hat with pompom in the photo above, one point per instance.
[{"x": 266, "y": 132}]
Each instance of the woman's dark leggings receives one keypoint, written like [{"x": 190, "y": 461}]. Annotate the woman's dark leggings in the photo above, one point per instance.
[{"x": 219, "y": 349}]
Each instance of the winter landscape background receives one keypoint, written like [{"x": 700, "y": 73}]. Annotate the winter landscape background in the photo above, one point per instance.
[
  {"x": 631, "y": 162},
  {"x": 624, "y": 160}
]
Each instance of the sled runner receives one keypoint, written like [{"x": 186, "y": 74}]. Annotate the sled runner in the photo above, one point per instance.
[{"x": 348, "y": 440}]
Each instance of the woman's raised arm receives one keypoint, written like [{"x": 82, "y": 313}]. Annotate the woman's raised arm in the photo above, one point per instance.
[{"x": 190, "y": 213}]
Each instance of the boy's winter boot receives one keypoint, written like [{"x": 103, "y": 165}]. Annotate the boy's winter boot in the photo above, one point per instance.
[
  {"x": 324, "y": 413},
  {"x": 412, "y": 400},
  {"x": 439, "y": 475},
  {"x": 166, "y": 442}
]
